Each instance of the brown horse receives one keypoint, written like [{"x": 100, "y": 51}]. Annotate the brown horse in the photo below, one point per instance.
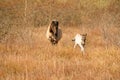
[{"x": 54, "y": 33}]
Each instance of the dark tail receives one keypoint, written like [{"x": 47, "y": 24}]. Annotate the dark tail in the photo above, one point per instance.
[{"x": 73, "y": 39}]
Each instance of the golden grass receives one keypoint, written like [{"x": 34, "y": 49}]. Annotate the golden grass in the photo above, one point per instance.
[{"x": 28, "y": 55}]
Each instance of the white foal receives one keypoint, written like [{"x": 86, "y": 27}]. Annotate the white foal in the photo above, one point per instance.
[{"x": 80, "y": 40}]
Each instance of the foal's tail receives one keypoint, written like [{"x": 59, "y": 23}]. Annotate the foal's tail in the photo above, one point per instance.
[{"x": 73, "y": 39}]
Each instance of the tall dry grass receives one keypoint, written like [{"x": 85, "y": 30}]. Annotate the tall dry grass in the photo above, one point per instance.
[
  {"x": 28, "y": 55},
  {"x": 25, "y": 53}
]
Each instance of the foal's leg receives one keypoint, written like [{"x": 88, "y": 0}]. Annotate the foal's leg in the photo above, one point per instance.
[
  {"x": 82, "y": 48},
  {"x": 75, "y": 45}
]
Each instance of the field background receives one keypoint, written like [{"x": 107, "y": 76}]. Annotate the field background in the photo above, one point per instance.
[{"x": 26, "y": 54}]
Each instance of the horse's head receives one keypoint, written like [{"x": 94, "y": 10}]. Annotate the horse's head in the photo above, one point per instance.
[{"x": 54, "y": 28}]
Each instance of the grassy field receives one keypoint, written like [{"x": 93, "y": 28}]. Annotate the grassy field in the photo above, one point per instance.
[{"x": 26, "y": 54}]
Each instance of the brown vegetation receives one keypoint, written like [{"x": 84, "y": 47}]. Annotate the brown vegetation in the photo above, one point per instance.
[{"x": 25, "y": 53}]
